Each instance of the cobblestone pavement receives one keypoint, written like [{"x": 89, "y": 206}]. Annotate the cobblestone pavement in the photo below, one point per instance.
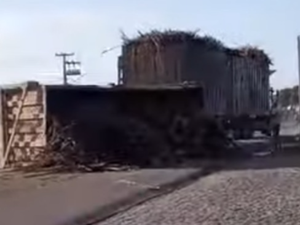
[{"x": 239, "y": 196}]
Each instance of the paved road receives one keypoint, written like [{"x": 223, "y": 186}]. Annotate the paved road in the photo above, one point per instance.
[
  {"x": 290, "y": 128},
  {"x": 237, "y": 196},
  {"x": 61, "y": 198}
]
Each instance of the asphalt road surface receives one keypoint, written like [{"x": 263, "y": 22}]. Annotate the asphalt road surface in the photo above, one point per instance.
[
  {"x": 290, "y": 128},
  {"x": 263, "y": 190}
]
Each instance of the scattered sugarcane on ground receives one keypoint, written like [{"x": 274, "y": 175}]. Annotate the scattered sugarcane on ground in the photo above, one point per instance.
[{"x": 141, "y": 126}]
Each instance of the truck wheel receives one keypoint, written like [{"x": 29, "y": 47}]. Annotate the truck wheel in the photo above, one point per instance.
[
  {"x": 248, "y": 134},
  {"x": 237, "y": 134}
]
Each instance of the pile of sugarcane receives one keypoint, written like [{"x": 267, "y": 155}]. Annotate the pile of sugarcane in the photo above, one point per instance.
[
  {"x": 156, "y": 38},
  {"x": 132, "y": 142},
  {"x": 256, "y": 54},
  {"x": 161, "y": 56}
]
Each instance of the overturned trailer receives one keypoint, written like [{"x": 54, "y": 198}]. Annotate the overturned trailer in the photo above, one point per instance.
[
  {"x": 235, "y": 81},
  {"x": 55, "y": 124}
]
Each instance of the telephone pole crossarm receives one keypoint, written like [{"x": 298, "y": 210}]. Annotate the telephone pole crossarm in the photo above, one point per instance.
[{"x": 66, "y": 72}]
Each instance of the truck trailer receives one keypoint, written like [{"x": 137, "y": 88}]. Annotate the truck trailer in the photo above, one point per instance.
[
  {"x": 235, "y": 81},
  {"x": 249, "y": 108}
]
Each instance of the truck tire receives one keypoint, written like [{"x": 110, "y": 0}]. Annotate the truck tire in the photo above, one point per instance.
[
  {"x": 248, "y": 134},
  {"x": 237, "y": 134}
]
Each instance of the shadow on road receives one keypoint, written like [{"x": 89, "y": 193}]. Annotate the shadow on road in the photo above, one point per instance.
[{"x": 286, "y": 157}]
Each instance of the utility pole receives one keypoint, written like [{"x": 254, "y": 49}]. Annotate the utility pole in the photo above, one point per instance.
[
  {"x": 68, "y": 72},
  {"x": 298, "y": 44}
]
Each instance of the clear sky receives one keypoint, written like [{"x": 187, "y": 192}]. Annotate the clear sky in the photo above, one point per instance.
[{"x": 31, "y": 31}]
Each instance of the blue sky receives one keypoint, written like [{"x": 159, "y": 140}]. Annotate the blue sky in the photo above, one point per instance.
[{"x": 32, "y": 31}]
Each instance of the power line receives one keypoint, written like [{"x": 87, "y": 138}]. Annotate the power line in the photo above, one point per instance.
[{"x": 66, "y": 66}]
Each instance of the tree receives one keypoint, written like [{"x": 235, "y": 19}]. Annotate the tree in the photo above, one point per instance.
[
  {"x": 294, "y": 96},
  {"x": 284, "y": 97},
  {"x": 288, "y": 96}
]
